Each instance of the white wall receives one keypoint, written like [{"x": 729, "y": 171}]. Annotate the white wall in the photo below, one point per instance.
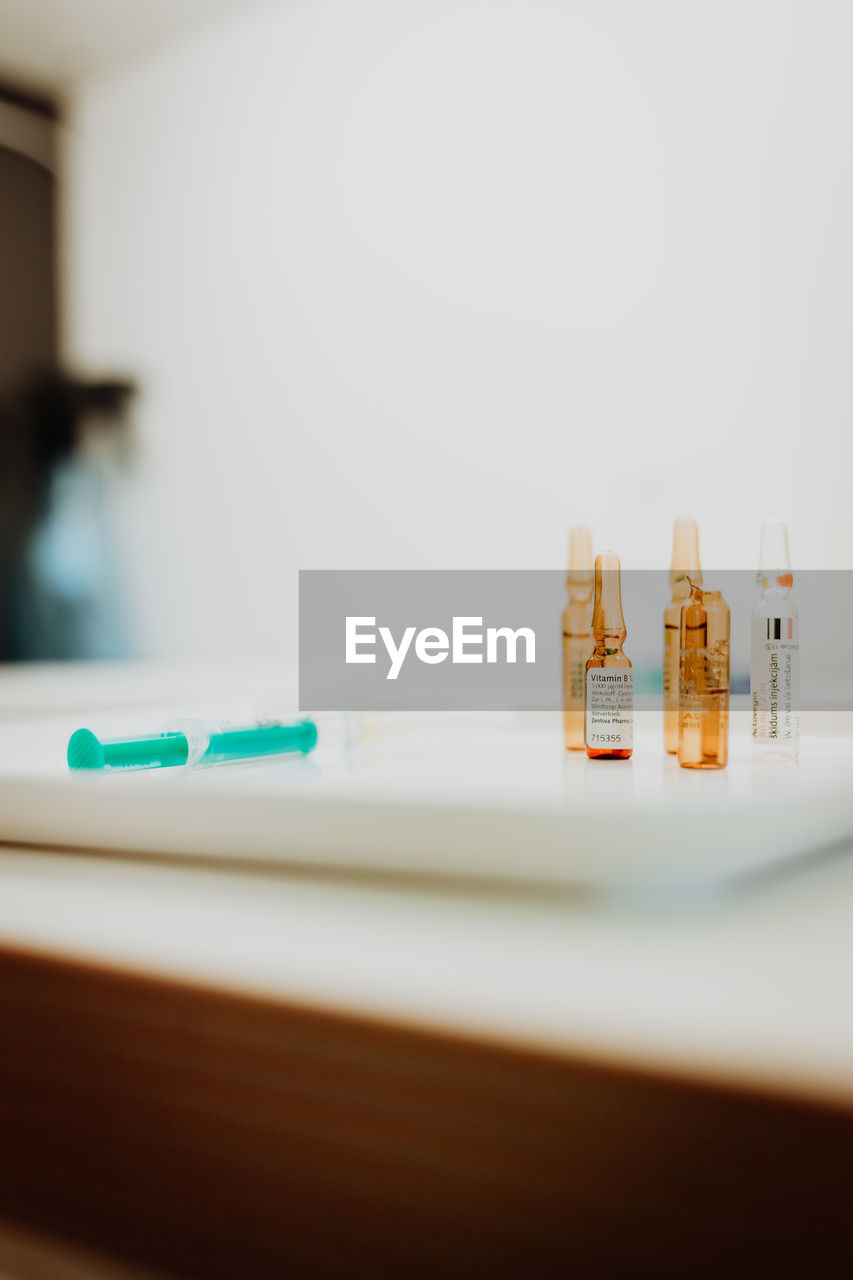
[{"x": 420, "y": 283}]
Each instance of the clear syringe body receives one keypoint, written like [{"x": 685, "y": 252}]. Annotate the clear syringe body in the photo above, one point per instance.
[
  {"x": 209, "y": 742},
  {"x": 774, "y": 669}
]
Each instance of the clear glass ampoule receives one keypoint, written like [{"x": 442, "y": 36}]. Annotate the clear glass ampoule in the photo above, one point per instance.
[
  {"x": 774, "y": 669},
  {"x": 685, "y": 561},
  {"x": 703, "y": 687},
  {"x": 577, "y": 634},
  {"x": 609, "y": 685}
]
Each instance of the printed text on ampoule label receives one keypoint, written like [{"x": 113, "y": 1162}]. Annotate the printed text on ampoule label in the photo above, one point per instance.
[
  {"x": 774, "y": 679},
  {"x": 670, "y": 662},
  {"x": 610, "y": 708}
]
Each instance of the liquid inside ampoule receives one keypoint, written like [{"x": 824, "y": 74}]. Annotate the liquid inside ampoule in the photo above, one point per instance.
[
  {"x": 703, "y": 689},
  {"x": 684, "y": 570}
]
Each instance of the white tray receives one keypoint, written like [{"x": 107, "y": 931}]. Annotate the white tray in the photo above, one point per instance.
[{"x": 477, "y": 797}]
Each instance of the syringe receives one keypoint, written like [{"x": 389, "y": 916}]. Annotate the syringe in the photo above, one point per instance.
[{"x": 191, "y": 742}]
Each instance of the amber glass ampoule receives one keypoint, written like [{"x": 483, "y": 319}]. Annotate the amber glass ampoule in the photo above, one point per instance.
[
  {"x": 609, "y": 686},
  {"x": 703, "y": 690},
  {"x": 685, "y": 561},
  {"x": 577, "y": 634}
]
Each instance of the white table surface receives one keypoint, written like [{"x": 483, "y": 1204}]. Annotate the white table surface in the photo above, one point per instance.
[{"x": 748, "y": 987}]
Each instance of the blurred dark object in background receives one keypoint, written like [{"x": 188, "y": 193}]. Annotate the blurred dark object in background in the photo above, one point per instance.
[
  {"x": 59, "y": 596},
  {"x": 59, "y": 585}
]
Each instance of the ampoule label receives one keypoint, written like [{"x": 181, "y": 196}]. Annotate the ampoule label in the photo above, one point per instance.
[
  {"x": 610, "y": 708},
  {"x": 775, "y": 679}
]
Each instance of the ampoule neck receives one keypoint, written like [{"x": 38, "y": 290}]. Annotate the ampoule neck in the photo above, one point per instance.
[
  {"x": 608, "y": 622},
  {"x": 704, "y": 611},
  {"x": 697, "y": 595},
  {"x": 580, "y": 589},
  {"x": 774, "y": 578},
  {"x": 774, "y": 586},
  {"x": 580, "y": 577},
  {"x": 609, "y": 643},
  {"x": 685, "y": 567}
]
